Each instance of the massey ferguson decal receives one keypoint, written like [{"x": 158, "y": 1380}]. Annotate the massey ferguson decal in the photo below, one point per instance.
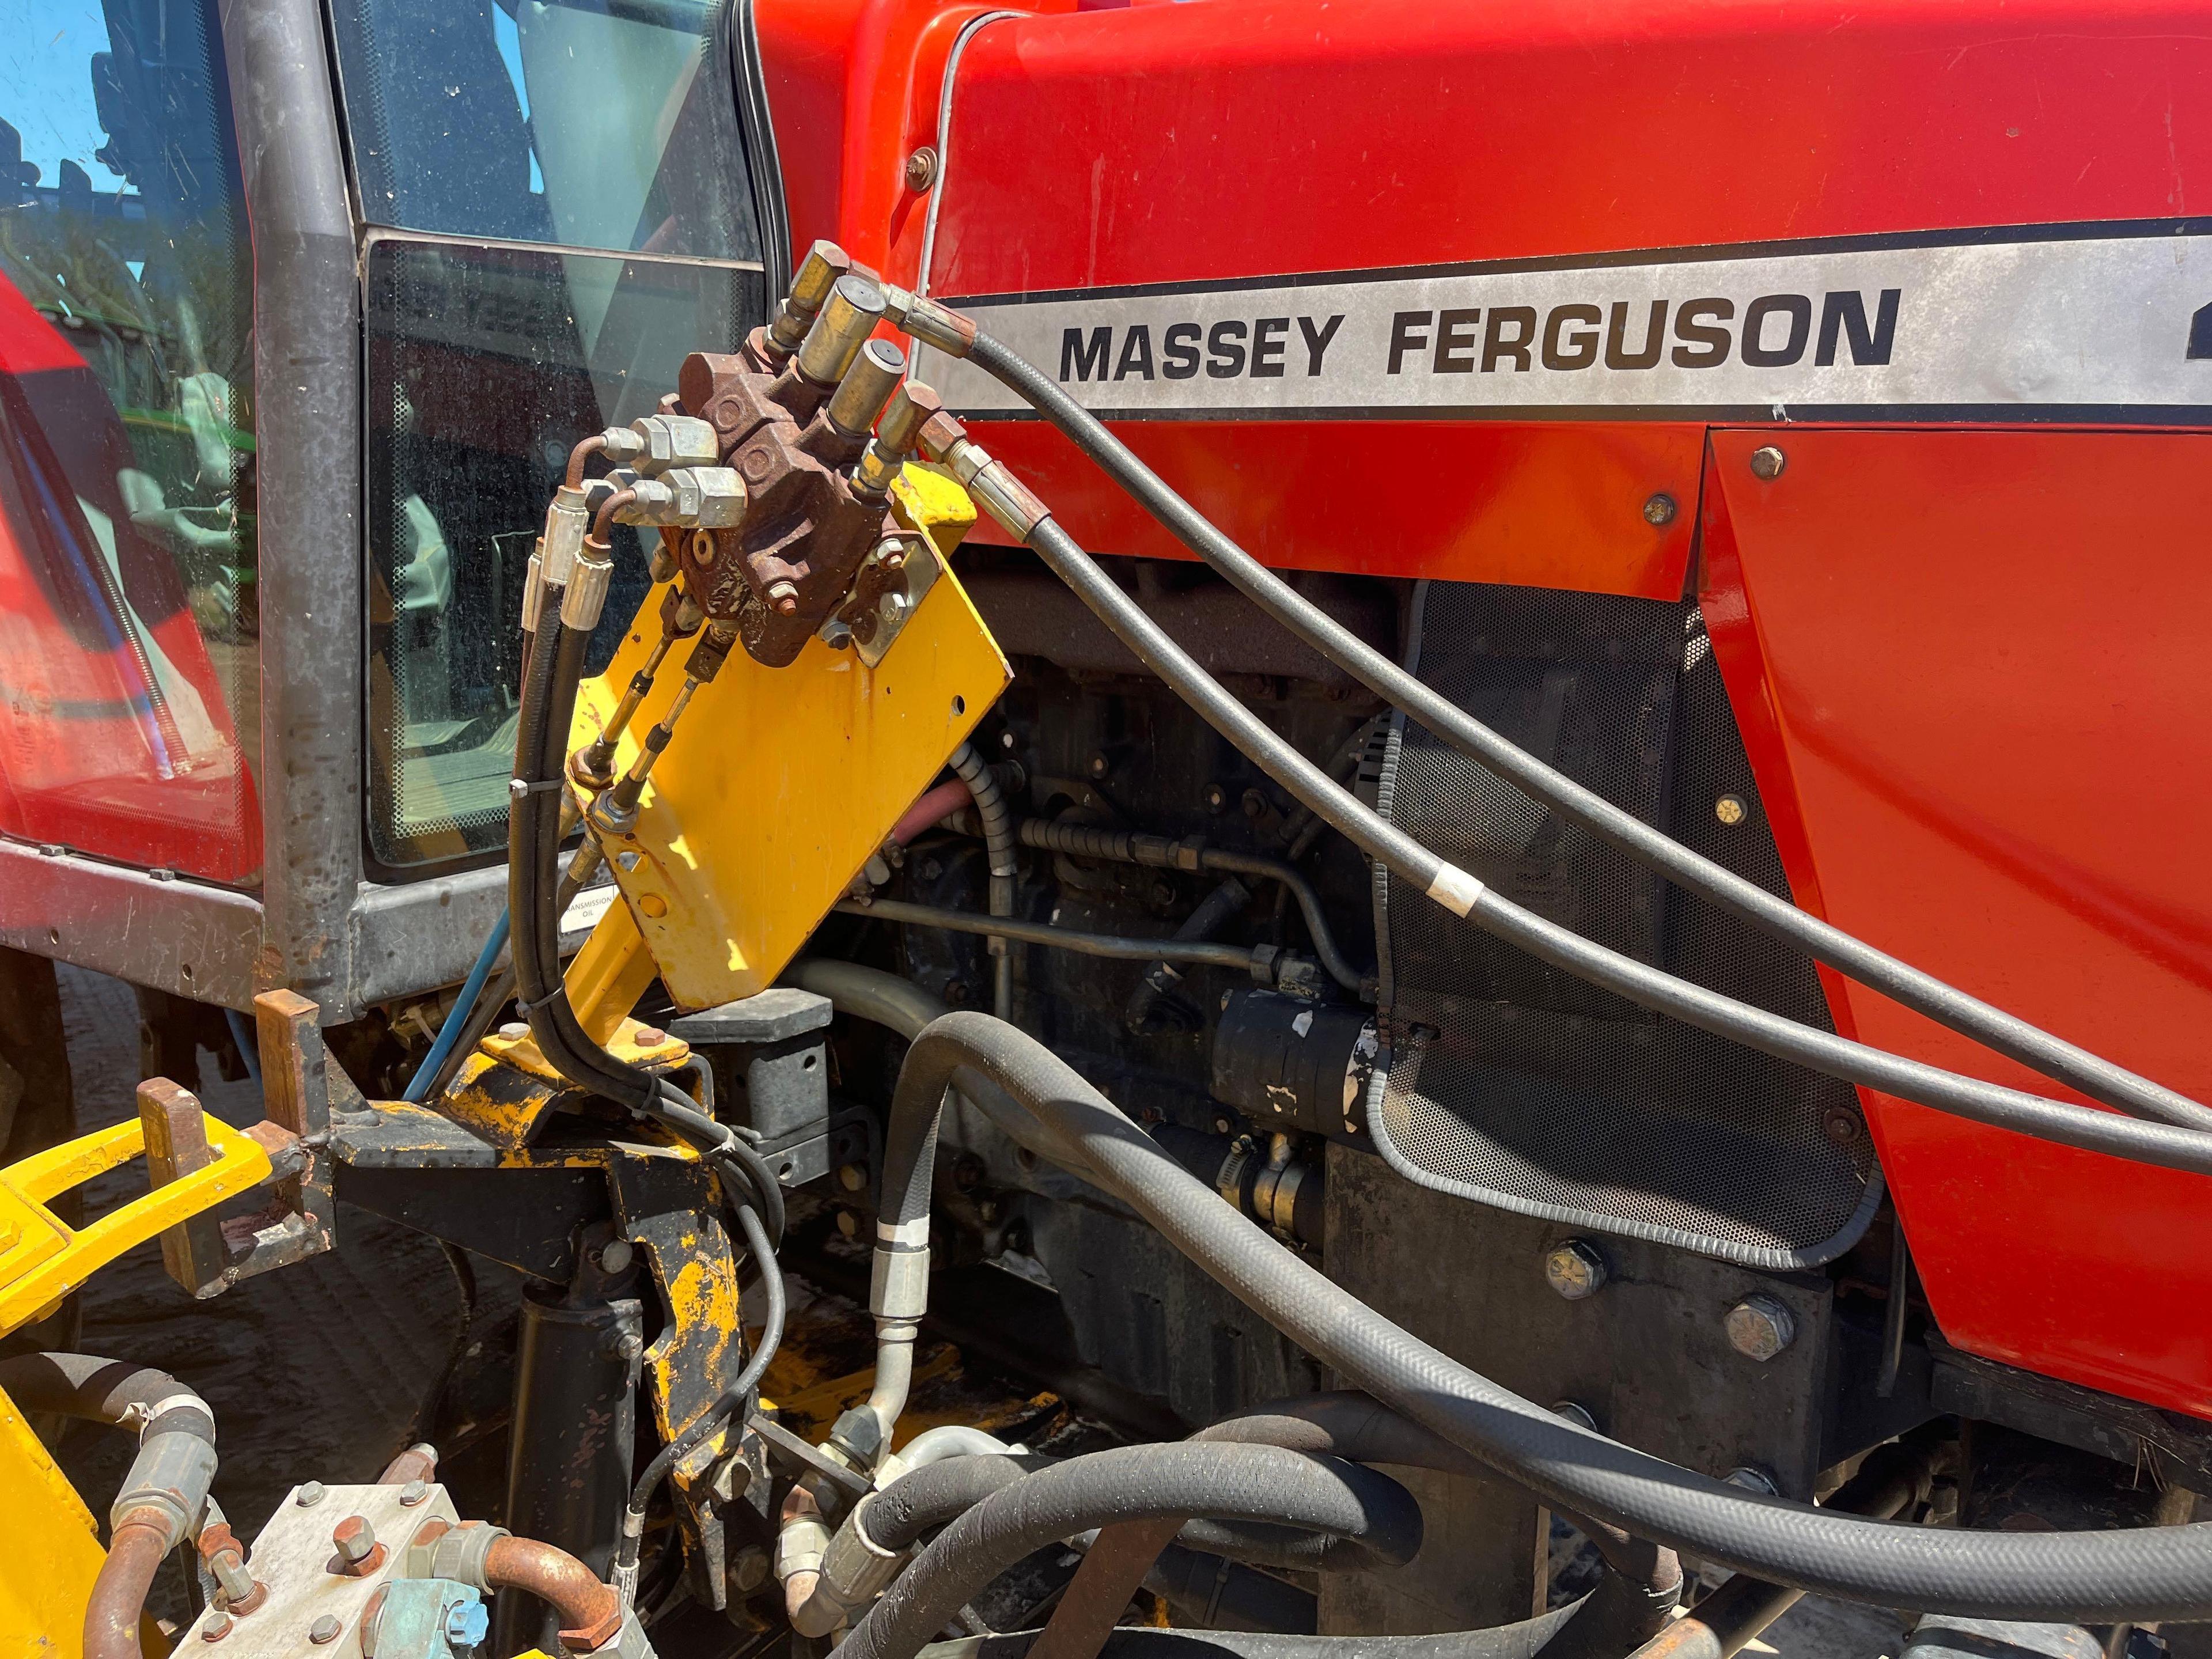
[{"x": 2046, "y": 324}]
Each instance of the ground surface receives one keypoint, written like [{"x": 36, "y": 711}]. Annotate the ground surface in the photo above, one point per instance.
[{"x": 317, "y": 1373}]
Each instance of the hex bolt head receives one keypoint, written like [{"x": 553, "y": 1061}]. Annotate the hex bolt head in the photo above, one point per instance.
[
  {"x": 324, "y": 1631},
  {"x": 1659, "y": 509},
  {"x": 311, "y": 1493},
  {"x": 1760, "y": 1327},
  {"x": 617, "y": 1253},
  {"x": 413, "y": 1493},
  {"x": 355, "y": 1540},
  {"x": 1576, "y": 1412},
  {"x": 1767, "y": 462},
  {"x": 922, "y": 167},
  {"x": 1575, "y": 1269},
  {"x": 217, "y": 1628},
  {"x": 1731, "y": 810},
  {"x": 1751, "y": 1478},
  {"x": 852, "y": 1177},
  {"x": 651, "y": 1036}
]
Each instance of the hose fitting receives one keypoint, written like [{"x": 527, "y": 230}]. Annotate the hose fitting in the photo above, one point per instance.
[
  {"x": 567, "y": 521},
  {"x": 825, "y": 262},
  {"x": 930, "y": 323}
]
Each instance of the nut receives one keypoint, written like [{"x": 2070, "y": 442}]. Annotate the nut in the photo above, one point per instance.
[
  {"x": 413, "y": 1493},
  {"x": 355, "y": 1540},
  {"x": 324, "y": 1631},
  {"x": 712, "y": 498},
  {"x": 1760, "y": 1327},
  {"x": 1767, "y": 462},
  {"x": 311, "y": 1493},
  {"x": 1659, "y": 509},
  {"x": 922, "y": 167},
  {"x": 1575, "y": 1269}
]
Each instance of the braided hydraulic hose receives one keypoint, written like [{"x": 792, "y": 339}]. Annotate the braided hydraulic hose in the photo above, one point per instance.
[
  {"x": 2096, "y": 1577},
  {"x": 2006, "y": 1034}
]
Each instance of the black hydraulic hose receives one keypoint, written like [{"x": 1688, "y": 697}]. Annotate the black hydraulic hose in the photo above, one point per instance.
[
  {"x": 1156, "y": 991},
  {"x": 2006, "y": 1034},
  {"x": 716, "y": 1416},
  {"x": 1261, "y": 1484},
  {"x": 1215, "y": 1593},
  {"x": 998, "y": 820},
  {"x": 1117, "y": 946},
  {"x": 2096, "y": 1577},
  {"x": 2162, "y": 1145}
]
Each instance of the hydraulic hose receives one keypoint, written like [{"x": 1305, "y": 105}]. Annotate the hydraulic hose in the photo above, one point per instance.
[
  {"x": 1115, "y": 946},
  {"x": 2162, "y": 1145},
  {"x": 1540, "y": 1635},
  {"x": 2006, "y": 1034},
  {"x": 999, "y": 847},
  {"x": 1261, "y": 1483},
  {"x": 2100, "y": 1577},
  {"x": 456, "y": 1018}
]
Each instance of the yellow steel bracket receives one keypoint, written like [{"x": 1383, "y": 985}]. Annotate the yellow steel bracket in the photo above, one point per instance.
[
  {"x": 43, "y": 1258},
  {"x": 780, "y": 785}
]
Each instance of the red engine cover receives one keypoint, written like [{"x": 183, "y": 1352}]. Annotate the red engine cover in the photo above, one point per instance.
[{"x": 1882, "y": 233}]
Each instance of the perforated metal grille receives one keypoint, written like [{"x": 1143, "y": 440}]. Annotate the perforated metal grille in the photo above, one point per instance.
[{"x": 1516, "y": 1084}]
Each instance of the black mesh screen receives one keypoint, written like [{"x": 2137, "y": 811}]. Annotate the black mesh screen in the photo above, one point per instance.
[{"x": 1512, "y": 1082}]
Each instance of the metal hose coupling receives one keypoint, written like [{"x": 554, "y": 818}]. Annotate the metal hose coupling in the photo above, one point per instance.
[
  {"x": 996, "y": 490},
  {"x": 586, "y": 592},
  {"x": 818, "y": 273},
  {"x": 855, "y": 1570},
  {"x": 931, "y": 323},
  {"x": 568, "y": 520}
]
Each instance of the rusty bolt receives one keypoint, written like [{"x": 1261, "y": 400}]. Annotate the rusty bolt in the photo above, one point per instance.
[
  {"x": 324, "y": 1631},
  {"x": 1767, "y": 462},
  {"x": 356, "y": 1539},
  {"x": 1760, "y": 1327},
  {"x": 784, "y": 597},
  {"x": 1659, "y": 509},
  {"x": 217, "y": 1628},
  {"x": 651, "y": 1036},
  {"x": 922, "y": 167},
  {"x": 1731, "y": 810},
  {"x": 1574, "y": 1268}
]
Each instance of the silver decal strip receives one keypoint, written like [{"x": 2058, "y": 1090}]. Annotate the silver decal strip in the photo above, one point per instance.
[{"x": 2052, "y": 321}]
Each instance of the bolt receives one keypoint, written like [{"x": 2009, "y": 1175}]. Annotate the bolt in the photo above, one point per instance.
[
  {"x": 615, "y": 1255},
  {"x": 1221, "y": 1125},
  {"x": 1163, "y": 892},
  {"x": 929, "y": 869},
  {"x": 1006, "y": 741},
  {"x": 1730, "y": 810},
  {"x": 1576, "y": 1412},
  {"x": 1767, "y": 462},
  {"x": 1842, "y": 1126},
  {"x": 1215, "y": 797},
  {"x": 921, "y": 168},
  {"x": 324, "y": 1631},
  {"x": 1660, "y": 509},
  {"x": 467, "y": 1623},
  {"x": 232, "y": 1578},
  {"x": 987, "y": 1210},
  {"x": 356, "y": 1539},
  {"x": 216, "y": 1629},
  {"x": 892, "y": 608},
  {"x": 852, "y": 1177},
  {"x": 514, "y": 1031},
  {"x": 1100, "y": 766},
  {"x": 311, "y": 1493},
  {"x": 1760, "y": 1327},
  {"x": 783, "y": 597},
  {"x": 749, "y": 1568},
  {"x": 413, "y": 1493},
  {"x": 1256, "y": 804},
  {"x": 848, "y": 1223},
  {"x": 1575, "y": 1269},
  {"x": 1751, "y": 1478},
  {"x": 651, "y": 1036}
]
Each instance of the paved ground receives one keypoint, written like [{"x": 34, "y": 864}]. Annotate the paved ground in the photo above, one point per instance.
[{"x": 317, "y": 1373}]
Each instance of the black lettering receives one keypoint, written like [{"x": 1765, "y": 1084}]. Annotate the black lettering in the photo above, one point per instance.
[
  {"x": 1179, "y": 352},
  {"x": 1756, "y": 351},
  {"x": 1703, "y": 345},
  {"x": 1655, "y": 340},
  {"x": 1581, "y": 352},
  {"x": 1081, "y": 358},
  {"x": 1847, "y": 311},
  {"x": 1224, "y": 351},
  {"x": 1266, "y": 353},
  {"x": 1455, "y": 341},
  {"x": 1136, "y": 354},
  {"x": 1316, "y": 344},
  {"x": 1403, "y": 339},
  {"x": 1497, "y": 344}
]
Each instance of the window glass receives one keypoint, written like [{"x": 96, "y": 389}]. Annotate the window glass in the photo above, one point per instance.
[
  {"x": 592, "y": 124},
  {"x": 129, "y": 716},
  {"x": 485, "y": 367}
]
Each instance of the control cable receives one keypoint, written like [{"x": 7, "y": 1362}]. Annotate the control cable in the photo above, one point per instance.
[{"x": 2006, "y": 1034}]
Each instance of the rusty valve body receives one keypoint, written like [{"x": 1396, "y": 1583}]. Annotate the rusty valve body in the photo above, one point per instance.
[{"x": 787, "y": 567}]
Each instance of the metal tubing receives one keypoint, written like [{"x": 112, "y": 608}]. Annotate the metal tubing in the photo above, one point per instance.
[
  {"x": 589, "y": 1612},
  {"x": 1115, "y": 946},
  {"x": 576, "y": 1423},
  {"x": 135, "y": 1552}
]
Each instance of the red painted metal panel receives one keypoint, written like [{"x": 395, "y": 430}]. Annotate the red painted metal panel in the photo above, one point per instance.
[{"x": 1970, "y": 670}]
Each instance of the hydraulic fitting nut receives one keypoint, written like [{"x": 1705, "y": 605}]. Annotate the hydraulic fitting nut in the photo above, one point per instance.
[
  {"x": 855, "y": 1569},
  {"x": 868, "y": 384},
  {"x": 567, "y": 521},
  {"x": 1760, "y": 1327},
  {"x": 930, "y": 323},
  {"x": 1574, "y": 1268},
  {"x": 855, "y": 305},
  {"x": 816, "y": 275},
  {"x": 458, "y": 1552},
  {"x": 899, "y": 432},
  {"x": 676, "y": 441},
  {"x": 622, "y": 445},
  {"x": 1007, "y": 500},
  {"x": 708, "y": 497},
  {"x": 586, "y": 593}
]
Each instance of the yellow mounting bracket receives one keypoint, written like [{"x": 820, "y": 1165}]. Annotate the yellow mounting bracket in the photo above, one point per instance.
[
  {"x": 780, "y": 785},
  {"x": 43, "y": 1258}
]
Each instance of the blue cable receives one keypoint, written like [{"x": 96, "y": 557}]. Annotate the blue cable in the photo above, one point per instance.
[
  {"x": 463, "y": 1006},
  {"x": 249, "y": 1046}
]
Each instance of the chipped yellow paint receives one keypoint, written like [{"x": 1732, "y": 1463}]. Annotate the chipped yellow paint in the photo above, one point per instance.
[{"x": 781, "y": 782}]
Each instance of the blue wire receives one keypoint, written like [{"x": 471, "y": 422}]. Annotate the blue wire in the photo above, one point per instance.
[
  {"x": 249, "y": 1046},
  {"x": 463, "y": 1006}
]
